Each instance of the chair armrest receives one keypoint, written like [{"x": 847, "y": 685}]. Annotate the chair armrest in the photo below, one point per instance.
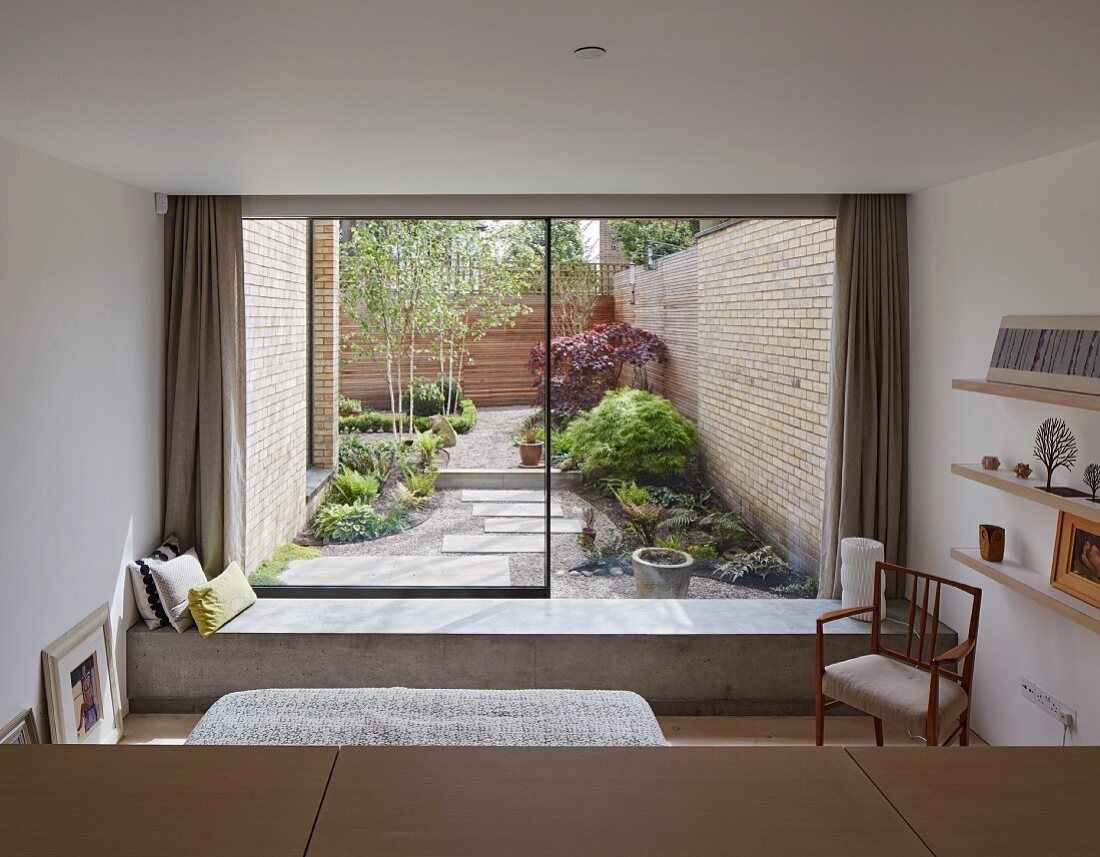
[
  {"x": 956, "y": 654},
  {"x": 833, "y": 615}
]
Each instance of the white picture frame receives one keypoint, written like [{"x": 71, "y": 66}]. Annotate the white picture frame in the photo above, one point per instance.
[
  {"x": 20, "y": 729},
  {"x": 1054, "y": 352},
  {"x": 82, "y": 685}
]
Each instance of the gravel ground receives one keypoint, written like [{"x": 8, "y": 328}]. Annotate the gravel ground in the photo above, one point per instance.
[{"x": 489, "y": 444}]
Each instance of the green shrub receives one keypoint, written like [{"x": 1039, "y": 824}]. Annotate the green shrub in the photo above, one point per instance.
[
  {"x": 349, "y": 522},
  {"x": 271, "y": 569},
  {"x": 427, "y": 398},
  {"x": 632, "y": 433},
  {"x": 351, "y": 486},
  {"x": 629, "y": 493},
  {"x": 370, "y": 422}
]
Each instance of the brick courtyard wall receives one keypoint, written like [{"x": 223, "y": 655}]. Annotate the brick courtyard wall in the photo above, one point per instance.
[
  {"x": 665, "y": 301},
  {"x": 765, "y": 303},
  {"x": 326, "y": 342},
  {"x": 276, "y": 310}
]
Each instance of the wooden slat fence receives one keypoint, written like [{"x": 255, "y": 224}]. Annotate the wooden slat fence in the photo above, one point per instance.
[{"x": 666, "y": 302}]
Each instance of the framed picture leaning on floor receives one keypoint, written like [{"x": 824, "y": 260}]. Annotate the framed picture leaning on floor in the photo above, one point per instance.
[
  {"x": 81, "y": 684},
  {"x": 20, "y": 730}
]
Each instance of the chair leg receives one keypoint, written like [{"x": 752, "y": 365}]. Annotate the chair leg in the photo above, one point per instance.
[
  {"x": 878, "y": 732},
  {"x": 964, "y": 733},
  {"x": 819, "y": 716}
]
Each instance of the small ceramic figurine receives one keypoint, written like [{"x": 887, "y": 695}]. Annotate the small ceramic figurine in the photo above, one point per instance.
[
  {"x": 991, "y": 462},
  {"x": 991, "y": 541},
  {"x": 1022, "y": 470}
]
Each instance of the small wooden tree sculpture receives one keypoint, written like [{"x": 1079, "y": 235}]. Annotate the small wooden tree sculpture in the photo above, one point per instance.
[
  {"x": 1055, "y": 446},
  {"x": 1092, "y": 479}
]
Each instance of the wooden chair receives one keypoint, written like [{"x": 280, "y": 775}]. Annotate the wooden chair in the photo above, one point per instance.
[{"x": 916, "y": 691}]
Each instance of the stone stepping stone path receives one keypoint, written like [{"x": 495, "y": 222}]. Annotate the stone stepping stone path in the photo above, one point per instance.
[
  {"x": 399, "y": 571},
  {"x": 514, "y": 510},
  {"x": 504, "y": 543},
  {"x": 532, "y": 525},
  {"x": 498, "y": 495}
]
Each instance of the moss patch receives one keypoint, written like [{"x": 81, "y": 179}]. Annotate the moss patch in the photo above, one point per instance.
[{"x": 271, "y": 569}]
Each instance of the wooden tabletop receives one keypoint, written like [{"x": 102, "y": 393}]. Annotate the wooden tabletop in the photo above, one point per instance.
[
  {"x": 728, "y": 801},
  {"x": 992, "y": 800},
  {"x": 89, "y": 801}
]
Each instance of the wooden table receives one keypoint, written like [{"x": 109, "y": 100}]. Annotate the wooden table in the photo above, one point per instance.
[
  {"x": 992, "y": 800},
  {"x": 108, "y": 800},
  {"x": 462, "y": 802}
]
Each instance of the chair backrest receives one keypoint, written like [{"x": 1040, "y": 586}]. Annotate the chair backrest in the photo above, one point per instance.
[{"x": 922, "y": 626}]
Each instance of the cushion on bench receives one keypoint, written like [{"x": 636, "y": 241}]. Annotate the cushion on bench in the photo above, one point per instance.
[{"x": 400, "y": 716}]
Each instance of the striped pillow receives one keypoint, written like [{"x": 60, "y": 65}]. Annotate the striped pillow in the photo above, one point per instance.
[{"x": 145, "y": 588}]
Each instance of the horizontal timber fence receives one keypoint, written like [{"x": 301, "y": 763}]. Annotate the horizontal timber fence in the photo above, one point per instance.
[{"x": 495, "y": 373}]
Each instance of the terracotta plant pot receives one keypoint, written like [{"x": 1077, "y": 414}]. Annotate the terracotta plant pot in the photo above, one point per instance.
[
  {"x": 530, "y": 453},
  {"x": 664, "y": 573}
]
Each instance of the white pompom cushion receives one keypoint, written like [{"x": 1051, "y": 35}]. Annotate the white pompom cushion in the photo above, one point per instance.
[{"x": 145, "y": 590}]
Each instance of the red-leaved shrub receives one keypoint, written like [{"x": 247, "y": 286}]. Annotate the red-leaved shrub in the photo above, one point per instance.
[{"x": 588, "y": 364}]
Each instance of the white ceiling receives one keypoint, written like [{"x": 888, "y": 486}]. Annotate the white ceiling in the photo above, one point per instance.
[{"x": 484, "y": 96}]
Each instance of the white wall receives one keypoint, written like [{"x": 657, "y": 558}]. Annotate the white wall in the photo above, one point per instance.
[
  {"x": 81, "y": 405},
  {"x": 1023, "y": 240}
]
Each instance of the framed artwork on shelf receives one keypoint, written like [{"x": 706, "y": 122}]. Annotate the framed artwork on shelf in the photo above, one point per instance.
[
  {"x": 1056, "y": 352},
  {"x": 82, "y": 685},
  {"x": 20, "y": 730},
  {"x": 1076, "y": 567}
]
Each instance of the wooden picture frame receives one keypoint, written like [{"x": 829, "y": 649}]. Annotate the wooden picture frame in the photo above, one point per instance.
[
  {"x": 1076, "y": 566},
  {"x": 1054, "y": 352},
  {"x": 20, "y": 730},
  {"x": 82, "y": 684}
]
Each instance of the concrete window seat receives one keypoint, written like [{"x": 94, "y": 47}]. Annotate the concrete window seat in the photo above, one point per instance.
[{"x": 683, "y": 657}]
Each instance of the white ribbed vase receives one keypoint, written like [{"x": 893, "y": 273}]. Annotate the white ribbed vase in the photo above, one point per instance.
[{"x": 857, "y": 573}]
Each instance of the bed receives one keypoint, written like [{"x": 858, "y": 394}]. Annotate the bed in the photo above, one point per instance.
[{"x": 401, "y": 716}]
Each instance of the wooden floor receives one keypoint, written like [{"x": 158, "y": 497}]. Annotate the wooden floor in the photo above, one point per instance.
[{"x": 846, "y": 731}]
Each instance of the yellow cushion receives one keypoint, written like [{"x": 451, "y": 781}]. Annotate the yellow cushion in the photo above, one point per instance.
[{"x": 216, "y": 602}]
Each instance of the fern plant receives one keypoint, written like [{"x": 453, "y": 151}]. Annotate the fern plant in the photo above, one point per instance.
[
  {"x": 350, "y": 486},
  {"x": 420, "y": 483},
  {"x": 427, "y": 444}
]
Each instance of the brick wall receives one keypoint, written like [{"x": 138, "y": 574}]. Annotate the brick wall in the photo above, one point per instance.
[
  {"x": 276, "y": 310},
  {"x": 326, "y": 341},
  {"x": 765, "y": 299}
]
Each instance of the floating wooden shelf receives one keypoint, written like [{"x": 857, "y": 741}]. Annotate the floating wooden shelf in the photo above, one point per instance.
[
  {"x": 1085, "y": 401},
  {"x": 1031, "y": 584},
  {"x": 1007, "y": 481}
]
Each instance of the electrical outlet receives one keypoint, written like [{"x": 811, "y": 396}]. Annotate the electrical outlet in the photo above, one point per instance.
[{"x": 1047, "y": 702}]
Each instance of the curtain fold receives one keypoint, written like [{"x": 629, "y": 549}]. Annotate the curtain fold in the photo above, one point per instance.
[
  {"x": 866, "y": 477},
  {"x": 204, "y": 383}
]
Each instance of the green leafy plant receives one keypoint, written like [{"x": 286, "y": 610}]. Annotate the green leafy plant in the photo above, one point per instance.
[
  {"x": 349, "y": 407},
  {"x": 344, "y": 522},
  {"x": 761, "y": 563},
  {"x": 351, "y": 486},
  {"x": 427, "y": 444},
  {"x": 628, "y": 492},
  {"x": 427, "y": 398},
  {"x": 271, "y": 569},
  {"x": 611, "y": 547},
  {"x": 807, "y": 588},
  {"x": 374, "y": 458},
  {"x": 631, "y": 433},
  {"x": 403, "y": 494},
  {"x": 704, "y": 552},
  {"x": 421, "y": 483}
]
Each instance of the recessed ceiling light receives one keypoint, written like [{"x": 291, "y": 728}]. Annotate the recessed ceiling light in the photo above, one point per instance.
[{"x": 590, "y": 52}]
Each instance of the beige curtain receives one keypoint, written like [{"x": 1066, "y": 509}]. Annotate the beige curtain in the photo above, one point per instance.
[
  {"x": 204, "y": 391},
  {"x": 866, "y": 472}
]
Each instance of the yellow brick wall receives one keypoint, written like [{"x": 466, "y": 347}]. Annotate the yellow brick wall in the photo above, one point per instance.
[
  {"x": 326, "y": 341},
  {"x": 276, "y": 310},
  {"x": 765, "y": 303}
]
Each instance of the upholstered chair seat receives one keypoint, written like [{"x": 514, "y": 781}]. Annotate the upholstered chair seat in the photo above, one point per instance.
[{"x": 892, "y": 691}]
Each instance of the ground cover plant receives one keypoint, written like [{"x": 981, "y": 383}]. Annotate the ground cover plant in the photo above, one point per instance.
[
  {"x": 348, "y": 522},
  {"x": 371, "y": 421},
  {"x": 270, "y": 570}
]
